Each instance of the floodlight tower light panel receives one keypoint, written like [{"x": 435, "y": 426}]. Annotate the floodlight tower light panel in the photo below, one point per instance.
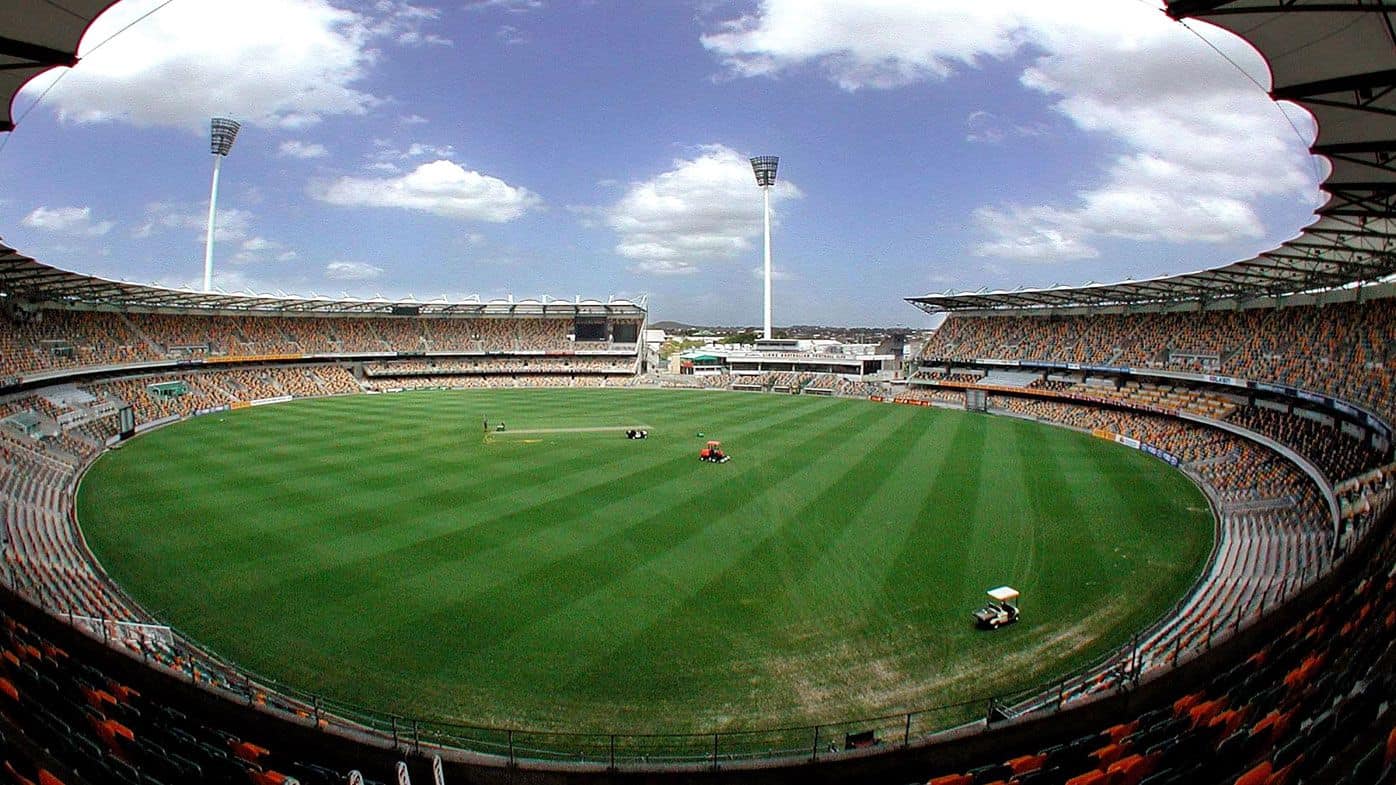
[
  {"x": 224, "y": 131},
  {"x": 765, "y": 168}
]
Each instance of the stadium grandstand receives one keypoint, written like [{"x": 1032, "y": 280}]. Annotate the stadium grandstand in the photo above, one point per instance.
[{"x": 1268, "y": 382}]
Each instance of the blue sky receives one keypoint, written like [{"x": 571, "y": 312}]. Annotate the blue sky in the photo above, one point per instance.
[{"x": 595, "y": 148}]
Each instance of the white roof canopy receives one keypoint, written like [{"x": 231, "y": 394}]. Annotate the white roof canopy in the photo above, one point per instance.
[
  {"x": 30, "y": 281},
  {"x": 35, "y": 37},
  {"x": 1004, "y": 594}
]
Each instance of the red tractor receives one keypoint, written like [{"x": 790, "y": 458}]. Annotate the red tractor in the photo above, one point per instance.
[{"x": 713, "y": 453}]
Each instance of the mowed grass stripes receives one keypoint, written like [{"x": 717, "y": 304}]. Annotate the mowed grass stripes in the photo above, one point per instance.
[{"x": 383, "y": 550}]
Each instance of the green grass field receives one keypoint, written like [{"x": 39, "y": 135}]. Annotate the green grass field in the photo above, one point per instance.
[{"x": 381, "y": 550}]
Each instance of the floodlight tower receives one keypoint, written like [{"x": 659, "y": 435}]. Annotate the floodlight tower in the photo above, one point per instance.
[
  {"x": 765, "y": 168},
  {"x": 224, "y": 131}
]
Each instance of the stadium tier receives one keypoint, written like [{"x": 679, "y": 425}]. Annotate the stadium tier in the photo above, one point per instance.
[
  {"x": 1341, "y": 349},
  {"x": 51, "y": 343}
]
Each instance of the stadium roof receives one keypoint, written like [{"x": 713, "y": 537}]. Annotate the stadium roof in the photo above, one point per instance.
[
  {"x": 1337, "y": 59},
  {"x": 29, "y": 281},
  {"x": 35, "y": 37}
]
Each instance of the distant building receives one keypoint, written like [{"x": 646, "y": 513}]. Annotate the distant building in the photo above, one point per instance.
[{"x": 857, "y": 362}]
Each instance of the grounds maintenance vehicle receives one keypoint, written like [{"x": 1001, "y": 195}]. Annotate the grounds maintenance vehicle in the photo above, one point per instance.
[
  {"x": 713, "y": 453},
  {"x": 1001, "y": 611}
]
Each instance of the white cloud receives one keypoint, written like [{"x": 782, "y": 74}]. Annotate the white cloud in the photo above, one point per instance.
[
  {"x": 872, "y": 43},
  {"x": 271, "y": 63},
  {"x": 1199, "y": 144},
  {"x": 508, "y": 6},
  {"x": 413, "y": 119},
  {"x": 294, "y": 148},
  {"x": 67, "y": 220},
  {"x": 441, "y": 187},
  {"x": 1028, "y": 235},
  {"x": 386, "y": 154},
  {"x": 404, "y": 23},
  {"x": 703, "y": 209},
  {"x": 259, "y": 249},
  {"x": 510, "y": 35},
  {"x": 233, "y": 224},
  {"x": 982, "y": 126},
  {"x": 663, "y": 267},
  {"x": 777, "y": 274},
  {"x": 420, "y": 150},
  {"x": 352, "y": 271},
  {"x": 987, "y": 128}
]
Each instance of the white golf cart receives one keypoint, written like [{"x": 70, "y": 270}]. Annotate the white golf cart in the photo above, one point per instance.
[{"x": 1002, "y": 609}]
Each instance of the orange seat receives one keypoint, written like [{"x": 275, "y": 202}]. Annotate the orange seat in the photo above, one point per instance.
[
  {"x": 1202, "y": 713},
  {"x": 8, "y": 689},
  {"x": 247, "y": 750},
  {"x": 109, "y": 731},
  {"x": 1124, "y": 764},
  {"x": 1130, "y": 770},
  {"x": 952, "y": 779},
  {"x": 1096, "y": 777},
  {"x": 95, "y": 698},
  {"x": 1256, "y": 776},
  {"x": 1228, "y": 721},
  {"x": 1026, "y": 763},
  {"x": 1108, "y": 754},
  {"x": 1283, "y": 776},
  {"x": 1181, "y": 706},
  {"x": 1122, "y": 730}
]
